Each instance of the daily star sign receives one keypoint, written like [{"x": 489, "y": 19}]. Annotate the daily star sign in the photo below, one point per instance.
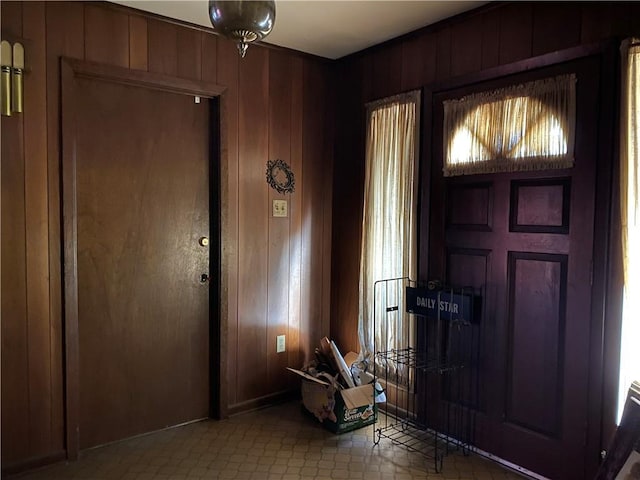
[{"x": 440, "y": 303}]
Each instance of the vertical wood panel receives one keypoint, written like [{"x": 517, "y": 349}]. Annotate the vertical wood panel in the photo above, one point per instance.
[
  {"x": 443, "y": 53},
  {"x": 41, "y": 382},
  {"x": 515, "y": 32},
  {"x": 348, "y": 186},
  {"x": 490, "y": 39},
  {"x": 15, "y": 354},
  {"x": 64, "y": 37},
  {"x": 209, "y": 51},
  {"x": 253, "y": 209},
  {"x": 365, "y": 64},
  {"x": 227, "y": 75},
  {"x": 107, "y": 36},
  {"x": 189, "y": 53},
  {"x": 555, "y": 27},
  {"x": 11, "y": 18},
  {"x": 634, "y": 28},
  {"x": 418, "y": 61},
  {"x": 387, "y": 71},
  {"x": 163, "y": 47},
  {"x": 279, "y": 229},
  {"x": 312, "y": 200},
  {"x": 14, "y": 334},
  {"x": 466, "y": 46},
  {"x": 296, "y": 349},
  {"x": 138, "y": 43},
  {"x": 326, "y": 168}
]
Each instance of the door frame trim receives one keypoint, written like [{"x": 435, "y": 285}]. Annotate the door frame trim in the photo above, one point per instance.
[
  {"x": 72, "y": 69},
  {"x": 605, "y": 321}
]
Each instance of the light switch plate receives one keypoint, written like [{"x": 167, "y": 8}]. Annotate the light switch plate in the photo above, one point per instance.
[
  {"x": 280, "y": 208},
  {"x": 280, "y": 344}
]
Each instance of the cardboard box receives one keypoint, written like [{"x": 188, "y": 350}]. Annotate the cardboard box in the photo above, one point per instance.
[{"x": 339, "y": 410}]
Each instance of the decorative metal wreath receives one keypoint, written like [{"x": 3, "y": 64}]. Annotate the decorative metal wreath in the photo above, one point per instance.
[{"x": 280, "y": 177}]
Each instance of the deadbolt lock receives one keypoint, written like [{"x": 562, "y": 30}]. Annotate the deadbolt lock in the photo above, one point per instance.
[{"x": 204, "y": 241}]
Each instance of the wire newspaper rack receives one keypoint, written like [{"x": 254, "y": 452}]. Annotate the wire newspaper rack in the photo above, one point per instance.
[{"x": 424, "y": 361}]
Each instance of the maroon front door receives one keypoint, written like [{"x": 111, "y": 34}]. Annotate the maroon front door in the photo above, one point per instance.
[{"x": 526, "y": 241}]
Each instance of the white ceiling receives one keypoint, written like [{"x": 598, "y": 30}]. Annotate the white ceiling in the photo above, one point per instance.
[{"x": 328, "y": 28}]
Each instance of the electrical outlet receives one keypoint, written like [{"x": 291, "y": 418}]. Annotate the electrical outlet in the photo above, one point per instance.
[{"x": 280, "y": 344}]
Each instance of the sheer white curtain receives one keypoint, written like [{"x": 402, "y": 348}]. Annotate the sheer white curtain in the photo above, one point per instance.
[
  {"x": 389, "y": 222},
  {"x": 523, "y": 127},
  {"x": 630, "y": 213}
]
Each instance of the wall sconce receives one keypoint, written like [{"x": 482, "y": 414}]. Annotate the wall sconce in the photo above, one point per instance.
[{"x": 11, "y": 78}]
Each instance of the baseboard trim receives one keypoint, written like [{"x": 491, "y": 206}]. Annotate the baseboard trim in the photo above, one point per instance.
[
  {"x": 262, "y": 402},
  {"x": 33, "y": 463}
]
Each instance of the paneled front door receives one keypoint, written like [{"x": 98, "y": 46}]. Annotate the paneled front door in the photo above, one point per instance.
[{"x": 526, "y": 241}]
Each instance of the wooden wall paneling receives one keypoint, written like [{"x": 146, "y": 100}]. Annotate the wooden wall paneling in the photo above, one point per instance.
[
  {"x": 490, "y": 39},
  {"x": 253, "y": 210},
  {"x": 418, "y": 61},
  {"x": 163, "y": 47},
  {"x": 11, "y": 19},
  {"x": 555, "y": 27},
  {"x": 466, "y": 45},
  {"x": 443, "y": 53},
  {"x": 296, "y": 349},
  {"x": 209, "y": 61},
  {"x": 279, "y": 252},
  {"x": 13, "y": 327},
  {"x": 634, "y": 17},
  {"x": 227, "y": 75},
  {"x": 515, "y": 32},
  {"x": 312, "y": 201},
  {"x": 387, "y": 70},
  {"x": 64, "y": 37},
  {"x": 138, "y": 43},
  {"x": 365, "y": 65},
  {"x": 43, "y": 381},
  {"x": 189, "y": 45},
  {"x": 70, "y": 273},
  {"x": 348, "y": 186},
  {"x": 15, "y": 340},
  {"x": 595, "y": 21},
  {"x": 425, "y": 158},
  {"x": 107, "y": 35},
  {"x": 326, "y": 167}
]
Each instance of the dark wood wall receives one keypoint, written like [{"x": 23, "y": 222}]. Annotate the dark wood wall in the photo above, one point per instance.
[
  {"x": 492, "y": 36},
  {"x": 275, "y": 271}
]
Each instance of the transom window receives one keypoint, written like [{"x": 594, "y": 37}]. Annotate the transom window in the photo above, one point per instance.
[{"x": 526, "y": 127}]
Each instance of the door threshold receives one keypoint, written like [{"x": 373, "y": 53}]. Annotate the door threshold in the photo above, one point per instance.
[{"x": 507, "y": 464}]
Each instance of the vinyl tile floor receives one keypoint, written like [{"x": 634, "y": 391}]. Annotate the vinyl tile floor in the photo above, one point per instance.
[{"x": 276, "y": 443}]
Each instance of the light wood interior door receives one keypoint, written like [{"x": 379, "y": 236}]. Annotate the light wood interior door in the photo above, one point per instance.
[{"x": 142, "y": 191}]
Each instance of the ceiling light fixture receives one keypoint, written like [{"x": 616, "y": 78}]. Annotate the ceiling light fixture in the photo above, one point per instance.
[{"x": 243, "y": 21}]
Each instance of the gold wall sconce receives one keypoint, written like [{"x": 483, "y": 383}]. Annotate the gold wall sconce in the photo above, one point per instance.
[{"x": 11, "y": 78}]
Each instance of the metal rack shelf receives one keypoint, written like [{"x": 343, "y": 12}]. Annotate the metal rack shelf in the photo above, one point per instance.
[
  {"x": 407, "y": 373},
  {"x": 419, "y": 360}
]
